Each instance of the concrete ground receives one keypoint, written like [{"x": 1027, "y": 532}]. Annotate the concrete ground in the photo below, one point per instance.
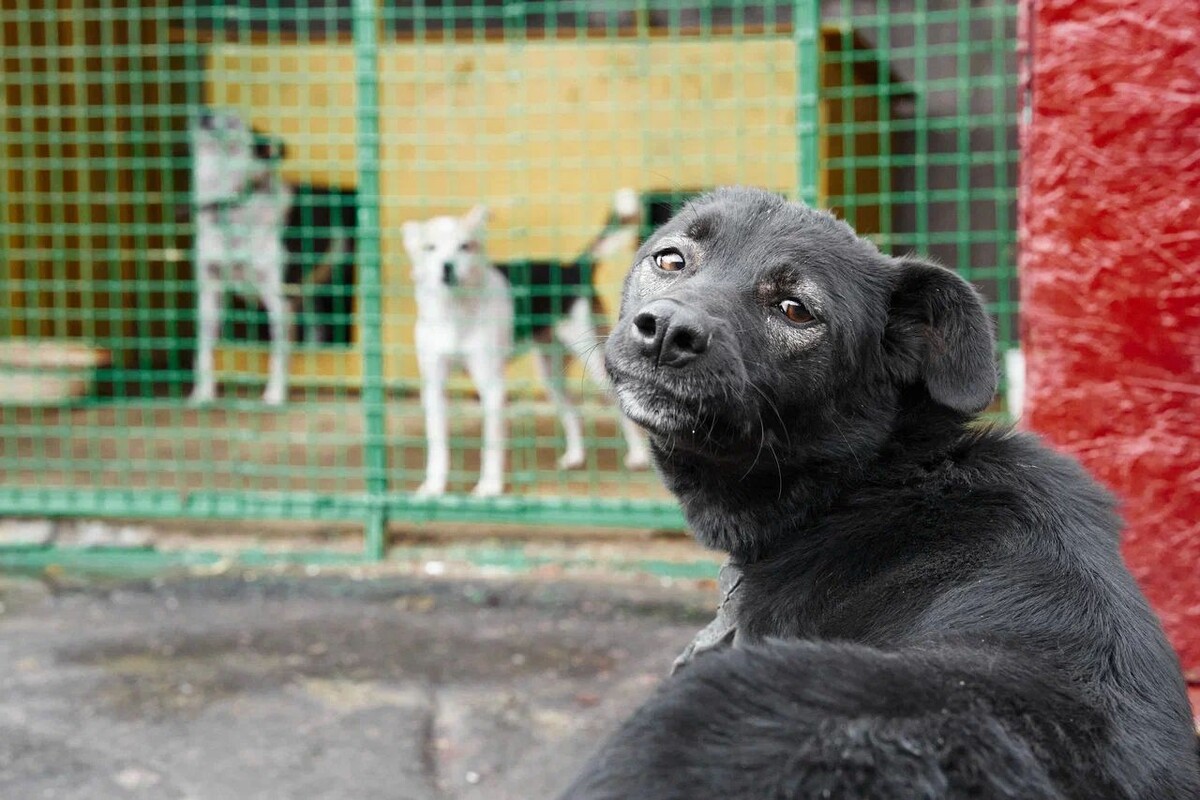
[{"x": 283, "y": 685}]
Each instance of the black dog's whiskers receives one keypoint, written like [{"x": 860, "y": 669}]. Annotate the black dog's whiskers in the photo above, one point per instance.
[
  {"x": 783, "y": 428},
  {"x": 762, "y": 441},
  {"x": 763, "y": 437},
  {"x": 849, "y": 447},
  {"x": 778, "y": 470},
  {"x": 585, "y": 356}
]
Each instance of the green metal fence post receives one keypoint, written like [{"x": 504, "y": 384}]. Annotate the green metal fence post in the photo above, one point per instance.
[
  {"x": 806, "y": 25},
  {"x": 370, "y": 306}
]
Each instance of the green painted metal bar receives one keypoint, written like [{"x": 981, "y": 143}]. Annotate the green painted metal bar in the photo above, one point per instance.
[
  {"x": 1002, "y": 45},
  {"x": 806, "y": 25},
  {"x": 366, "y": 73},
  {"x": 886, "y": 111},
  {"x": 514, "y": 559},
  {"x": 234, "y": 505},
  {"x": 922, "y": 128},
  {"x": 963, "y": 181}
]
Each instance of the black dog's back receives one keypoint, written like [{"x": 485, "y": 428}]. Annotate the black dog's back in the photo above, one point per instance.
[{"x": 848, "y": 722}]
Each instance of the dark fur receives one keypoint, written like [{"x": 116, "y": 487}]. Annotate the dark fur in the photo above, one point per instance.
[
  {"x": 543, "y": 292},
  {"x": 321, "y": 278},
  {"x": 929, "y": 609},
  {"x": 319, "y": 282}
]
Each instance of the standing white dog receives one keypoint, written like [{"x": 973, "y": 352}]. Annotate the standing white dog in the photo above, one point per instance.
[
  {"x": 241, "y": 206},
  {"x": 472, "y": 311}
]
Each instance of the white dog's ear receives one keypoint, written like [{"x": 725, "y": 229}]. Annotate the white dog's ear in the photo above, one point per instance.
[
  {"x": 475, "y": 219},
  {"x": 412, "y": 239}
]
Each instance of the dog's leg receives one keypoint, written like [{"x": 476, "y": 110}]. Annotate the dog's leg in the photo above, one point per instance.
[
  {"x": 434, "y": 370},
  {"x": 314, "y": 333},
  {"x": 314, "y": 330},
  {"x": 578, "y": 332},
  {"x": 487, "y": 372},
  {"x": 552, "y": 376},
  {"x": 279, "y": 314},
  {"x": 204, "y": 388}
]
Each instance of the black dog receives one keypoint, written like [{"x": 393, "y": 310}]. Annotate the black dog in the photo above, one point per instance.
[{"x": 926, "y": 608}]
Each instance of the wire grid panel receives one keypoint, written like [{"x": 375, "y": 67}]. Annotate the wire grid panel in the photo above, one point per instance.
[
  {"x": 360, "y": 118},
  {"x": 544, "y": 119},
  {"x": 937, "y": 177},
  {"x": 116, "y": 170}
]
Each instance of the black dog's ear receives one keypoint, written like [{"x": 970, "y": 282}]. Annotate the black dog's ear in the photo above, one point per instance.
[{"x": 944, "y": 336}]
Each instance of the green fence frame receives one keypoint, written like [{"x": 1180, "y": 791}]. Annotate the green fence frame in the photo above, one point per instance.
[{"x": 378, "y": 503}]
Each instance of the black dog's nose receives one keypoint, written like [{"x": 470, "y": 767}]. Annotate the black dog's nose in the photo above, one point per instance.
[
  {"x": 448, "y": 273},
  {"x": 671, "y": 334}
]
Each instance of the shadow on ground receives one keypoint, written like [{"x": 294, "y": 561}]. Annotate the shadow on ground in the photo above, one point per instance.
[{"x": 295, "y": 687}]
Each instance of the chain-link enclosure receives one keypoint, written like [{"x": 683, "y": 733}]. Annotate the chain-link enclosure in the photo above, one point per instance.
[{"x": 209, "y": 308}]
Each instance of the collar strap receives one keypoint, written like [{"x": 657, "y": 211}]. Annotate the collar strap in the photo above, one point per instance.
[
  {"x": 249, "y": 188},
  {"x": 721, "y": 633}
]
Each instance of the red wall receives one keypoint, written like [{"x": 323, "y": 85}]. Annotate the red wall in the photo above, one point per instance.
[{"x": 1110, "y": 270}]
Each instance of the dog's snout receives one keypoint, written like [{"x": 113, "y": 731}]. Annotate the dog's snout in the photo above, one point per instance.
[
  {"x": 448, "y": 273},
  {"x": 671, "y": 334}
]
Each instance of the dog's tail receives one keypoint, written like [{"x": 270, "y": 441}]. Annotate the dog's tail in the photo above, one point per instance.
[
  {"x": 620, "y": 229},
  {"x": 302, "y": 294},
  {"x": 808, "y": 719}
]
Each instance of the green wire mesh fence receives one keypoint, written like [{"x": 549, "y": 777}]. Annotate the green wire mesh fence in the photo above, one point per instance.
[{"x": 294, "y": 138}]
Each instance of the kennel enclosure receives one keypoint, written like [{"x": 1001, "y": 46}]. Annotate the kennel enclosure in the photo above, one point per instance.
[{"x": 900, "y": 117}]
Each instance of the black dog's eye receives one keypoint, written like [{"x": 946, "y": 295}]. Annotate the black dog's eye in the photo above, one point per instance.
[
  {"x": 670, "y": 261},
  {"x": 796, "y": 311}
]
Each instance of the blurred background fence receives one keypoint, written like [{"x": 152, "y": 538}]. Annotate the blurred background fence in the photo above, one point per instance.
[{"x": 900, "y": 116}]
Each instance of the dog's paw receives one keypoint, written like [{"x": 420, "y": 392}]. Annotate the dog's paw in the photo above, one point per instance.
[
  {"x": 572, "y": 459},
  {"x": 488, "y": 488},
  {"x": 637, "y": 459},
  {"x": 201, "y": 396},
  {"x": 274, "y": 396},
  {"x": 430, "y": 489}
]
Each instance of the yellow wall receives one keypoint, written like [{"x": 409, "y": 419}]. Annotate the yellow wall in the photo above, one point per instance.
[
  {"x": 70, "y": 191},
  {"x": 543, "y": 132}
]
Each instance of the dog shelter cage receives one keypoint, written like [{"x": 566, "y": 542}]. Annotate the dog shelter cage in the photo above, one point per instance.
[{"x": 899, "y": 115}]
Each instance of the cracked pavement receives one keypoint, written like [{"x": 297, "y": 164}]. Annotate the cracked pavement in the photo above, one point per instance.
[{"x": 284, "y": 686}]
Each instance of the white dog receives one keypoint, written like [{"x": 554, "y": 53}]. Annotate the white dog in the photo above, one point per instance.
[
  {"x": 472, "y": 311},
  {"x": 240, "y": 207}
]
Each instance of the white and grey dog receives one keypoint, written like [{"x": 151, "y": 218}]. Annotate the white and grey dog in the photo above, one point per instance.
[
  {"x": 240, "y": 206},
  {"x": 473, "y": 311}
]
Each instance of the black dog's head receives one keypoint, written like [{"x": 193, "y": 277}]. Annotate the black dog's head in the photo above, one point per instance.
[{"x": 761, "y": 335}]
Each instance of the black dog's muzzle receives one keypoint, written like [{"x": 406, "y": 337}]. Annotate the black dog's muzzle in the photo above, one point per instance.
[{"x": 670, "y": 333}]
